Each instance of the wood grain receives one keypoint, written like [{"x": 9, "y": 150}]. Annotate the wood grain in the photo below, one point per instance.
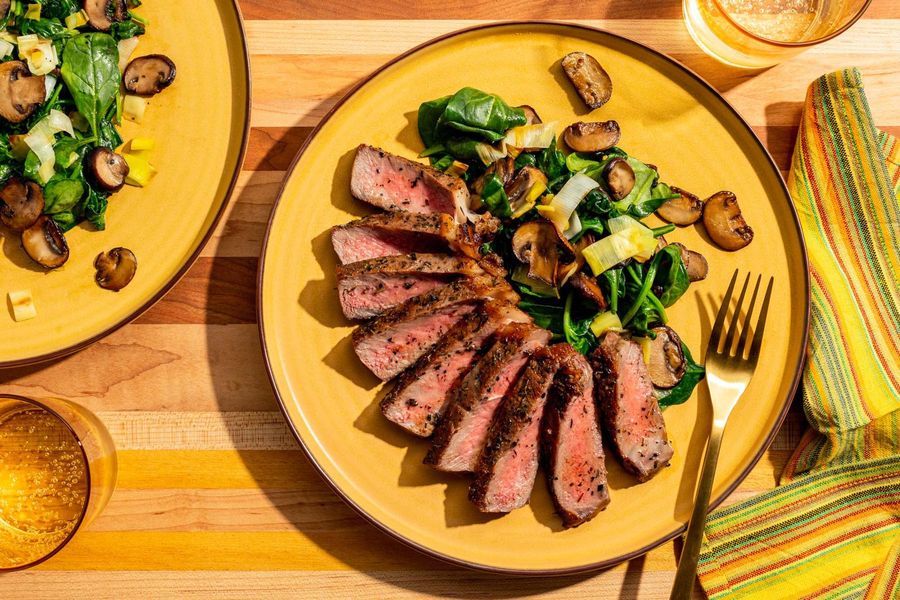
[{"x": 214, "y": 497}]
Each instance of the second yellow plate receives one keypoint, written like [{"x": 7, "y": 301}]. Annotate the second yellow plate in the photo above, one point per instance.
[{"x": 668, "y": 117}]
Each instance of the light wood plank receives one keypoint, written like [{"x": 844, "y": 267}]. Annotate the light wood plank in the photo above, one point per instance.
[
  {"x": 634, "y": 582},
  {"x": 158, "y": 368},
  {"x": 771, "y": 97},
  {"x": 243, "y": 227}
]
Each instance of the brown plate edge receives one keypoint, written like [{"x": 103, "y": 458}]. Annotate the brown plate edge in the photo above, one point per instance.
[
  {"x": 245, "y": 139},
  {"x": 489, "y": 568}
]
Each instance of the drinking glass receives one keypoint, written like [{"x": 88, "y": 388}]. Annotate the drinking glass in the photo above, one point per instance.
[
  {"x": 761, "y": 33},
  {"x": 57, "y": 472}
]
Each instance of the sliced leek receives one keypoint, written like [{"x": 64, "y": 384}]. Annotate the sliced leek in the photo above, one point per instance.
[
  {"x": 568, "y": 198},
  {"x": 604, "y": 322},
  {"x": 531, "y": 137},
  {"x": 617, "y": 247}
]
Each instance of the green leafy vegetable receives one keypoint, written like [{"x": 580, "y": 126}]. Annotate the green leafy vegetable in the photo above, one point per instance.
[
  {"x": 644, "y": 178},
  {"x": 495, "y": 198},
  {"x": 679, "y": 394},
  {"x": 671, "y": 276},
  {"x": 546, "y": 314},
  {"x": 62, "y": 195},
  {"x": 645, "y": 206},
  {"x": 90, "y": 70},
  {"x": 484, "y": 116},
  {"x": 578, "y": 331},
  {"x": 58, "y": 9}
]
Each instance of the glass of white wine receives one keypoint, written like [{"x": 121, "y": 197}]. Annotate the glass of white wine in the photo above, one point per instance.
[
  {"x": 761, "y": 33},
  {"x": 57, "y": 472}
]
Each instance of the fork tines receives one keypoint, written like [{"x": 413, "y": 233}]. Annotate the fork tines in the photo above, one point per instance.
[{"x": 728, "y": 350}]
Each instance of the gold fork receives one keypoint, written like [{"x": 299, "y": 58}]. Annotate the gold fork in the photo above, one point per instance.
[{"x": 727, "y": 374}]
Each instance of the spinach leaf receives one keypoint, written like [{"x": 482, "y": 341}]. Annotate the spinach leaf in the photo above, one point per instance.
[
  {"x": 428, "y": 120},
  {"x": 485, "y": 115},
  {"x": 597, "y": 204},
  {"x": 7, "y": 160},
  {"x": 581, "y": 162},
  {"x": 671, "y": 275},
  {"x": 589, "y": 224},
  {"x": 494, "y": 197},
  {"x": 614, "y": 282},
  {"x": 578, "y": 331},
  {"x": 546, "y": 315},
  {"x": 62, "y": 195},
  {"x": 90, "y": 70},
  {"x": 659, "y": 194},
  {"x": 679, "y": 394},
  {"x": 94, "y": 208},
  {"x": 66, "y": 220},
  {"x": 48, "y": 29},
  {"x": 526, "y": 159},
  {"x": 126, "y": 29},
  {"x": 553, "y": 163},
  {"x": 58, "y": 9}
]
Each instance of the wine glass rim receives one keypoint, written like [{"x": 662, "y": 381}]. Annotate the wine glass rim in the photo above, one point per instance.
[
  {"x": 87, "y": 474},
  {"x": 803, "y": 44}
]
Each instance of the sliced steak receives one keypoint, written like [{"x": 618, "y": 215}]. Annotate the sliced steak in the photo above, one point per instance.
[
  {"x": 504, "y": 476},
  {"x": 395, "y": 183},
  {"x": 629, "y": 410},
  {"x": 368, "y": 288},
  {"x": 395, "y": 340},
  {"x": 392, "y": 234},
  {"x": 421, "y": 393},
  {"x": 461, "y": 434},
  {"x": 572, "y": 447}
]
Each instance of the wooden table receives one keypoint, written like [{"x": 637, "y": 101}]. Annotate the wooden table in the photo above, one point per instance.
[{"x": 214, "y": 497}]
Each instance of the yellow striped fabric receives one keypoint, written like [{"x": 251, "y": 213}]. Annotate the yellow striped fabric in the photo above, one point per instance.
[{"x": 832, "y": 531}]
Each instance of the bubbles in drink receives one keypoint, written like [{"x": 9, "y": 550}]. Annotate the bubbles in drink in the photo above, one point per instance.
[
  {"x": 780, "y": 20},
  {"x": 43, "y": 484}
]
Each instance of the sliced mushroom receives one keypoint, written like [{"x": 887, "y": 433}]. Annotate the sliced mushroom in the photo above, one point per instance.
[
  {"x": 536, "y": 244},
  {"x": 149, "y": 75},
  {"x": 22, "y": 204},
  {"x": 684, "y": 210},
  {"x": 592, "y": 137},
  {"x": 102, "y": 14},
  {"x": 45, "y": 243},
  {"x": 667, "y": 364},
  {"x": 587, "y": 287},
  {"x": 590, "y": 80},
  {"x": 518, "y": 190},
  {"x": 107, "y": 169},
  {"x": 724, "y": 222},
  {"x": 503, "y": 169},
  {"x": 619, "y": 177},
  {"x": 4, "y": 8},
  {"x": 694, "y": 262},
  {"x": 20, "y": 91},
  {"x": 115, "y": 269},
  {"x": 531, "y": 116}
]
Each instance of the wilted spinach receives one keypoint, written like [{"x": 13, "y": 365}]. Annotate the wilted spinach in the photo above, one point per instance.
[
  {"x": 90, "y": 70},
  {"x": 546, "y": 314},
  {"x": 671, "y": 275},
  {"x": 484, "y": 116},
  {"x": 494, "y": 197},
  {"x": 578, "y": 330}
]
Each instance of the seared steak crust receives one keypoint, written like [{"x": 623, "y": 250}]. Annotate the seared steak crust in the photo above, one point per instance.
[
  {"x": 392, "y": 342},
  {"x": 571, "y": 444},
  {"x": 462, "y": 432},
  {"x": 395, "y": 183},
  {"x": 421, "y": 393},
  {"x": 508, "y": 464},
  {"x": 630, "y": 412},
  {"x": 368, "y": 288}
]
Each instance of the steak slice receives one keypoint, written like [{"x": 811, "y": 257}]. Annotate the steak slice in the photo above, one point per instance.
[
  {"x": 395, "y": 183},
  {"x": 629, "y": 410},
  {"x": 392, "y": 234},
  {"x": 368, "y": 288},
  {"x": 508, "y": 464},
  {"x": 462, "y": 433},
  {"x": 572, "y": 447},
  {"x": 421, "y": 393},
  {"x": 395, "y": 340}
]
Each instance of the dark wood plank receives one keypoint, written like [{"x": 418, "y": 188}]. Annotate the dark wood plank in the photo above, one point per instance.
[{"x": 215, "y": 291}]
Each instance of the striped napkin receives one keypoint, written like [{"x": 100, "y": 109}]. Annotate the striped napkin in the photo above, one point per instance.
[{"x": 833, "y": 529}]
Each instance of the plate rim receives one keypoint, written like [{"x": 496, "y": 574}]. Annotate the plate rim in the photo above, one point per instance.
[
  {"x": 182, "y": 271},
  {"x": 786, "y": 404}
]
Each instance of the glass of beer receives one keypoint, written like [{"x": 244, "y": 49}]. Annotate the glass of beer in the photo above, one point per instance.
[
  {"x": 57, "y": 472},
  {"x": 761, "y": 33}
]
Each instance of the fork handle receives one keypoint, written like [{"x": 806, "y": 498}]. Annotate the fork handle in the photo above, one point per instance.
[{"x": 690, "y": 553}]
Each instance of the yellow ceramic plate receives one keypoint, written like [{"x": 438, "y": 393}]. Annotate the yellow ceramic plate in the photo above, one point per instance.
[
  {"x": 199, "y": 125},
  {"x": 668, "y": 117}
]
